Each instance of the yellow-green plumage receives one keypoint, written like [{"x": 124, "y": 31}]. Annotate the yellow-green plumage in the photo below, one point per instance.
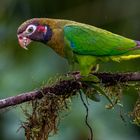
[{"x": 86, "y": 45}]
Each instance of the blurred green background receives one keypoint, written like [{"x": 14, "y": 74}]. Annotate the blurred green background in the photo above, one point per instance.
[{"x": 22, "y": 70}]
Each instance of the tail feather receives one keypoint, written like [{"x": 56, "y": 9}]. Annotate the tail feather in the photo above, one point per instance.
[{"x": 137, "y": 45}]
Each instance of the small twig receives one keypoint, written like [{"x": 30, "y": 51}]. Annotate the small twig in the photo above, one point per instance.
[{"x": 87, "y": 114}]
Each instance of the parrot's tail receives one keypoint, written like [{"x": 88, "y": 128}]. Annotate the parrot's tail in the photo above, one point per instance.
[
  {"x": 132, "y": 54},
  {"x": 138, "y": 44}
]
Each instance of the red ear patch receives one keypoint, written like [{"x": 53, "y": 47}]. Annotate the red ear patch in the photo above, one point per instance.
[{"x": 41, "y": 28}]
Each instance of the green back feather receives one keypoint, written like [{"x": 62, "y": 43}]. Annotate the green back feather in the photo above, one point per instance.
[{"x": 89, "y": 40}]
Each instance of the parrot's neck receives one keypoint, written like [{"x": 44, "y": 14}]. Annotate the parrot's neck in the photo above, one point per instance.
[
  {"x": 57, "y": 39},
  {"x": 57, "y": 42}
]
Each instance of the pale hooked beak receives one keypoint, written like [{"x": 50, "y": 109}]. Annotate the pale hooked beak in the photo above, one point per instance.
[{"x": 24, "y": 41}]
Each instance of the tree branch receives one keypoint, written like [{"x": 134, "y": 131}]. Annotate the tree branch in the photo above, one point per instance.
[
  {"x": 68, "y": 86},
  {"x": 114, "y": 78}
]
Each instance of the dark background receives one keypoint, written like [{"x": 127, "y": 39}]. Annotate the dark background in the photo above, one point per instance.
[{"x": 22, "y": 70}]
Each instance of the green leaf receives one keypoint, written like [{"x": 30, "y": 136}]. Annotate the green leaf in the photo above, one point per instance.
[
  {"x": 94, "y": 96},
  {"x": 103, "y": 93}
]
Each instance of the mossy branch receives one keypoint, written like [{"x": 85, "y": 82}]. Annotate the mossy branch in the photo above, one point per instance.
[{"x": 68, "y": 86}]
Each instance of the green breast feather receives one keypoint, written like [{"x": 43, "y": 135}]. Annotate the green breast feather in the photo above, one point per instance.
[{"x": 89, "y": 40}]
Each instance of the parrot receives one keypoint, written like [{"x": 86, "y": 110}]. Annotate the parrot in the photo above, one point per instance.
[{"x": 83, "y": 46}]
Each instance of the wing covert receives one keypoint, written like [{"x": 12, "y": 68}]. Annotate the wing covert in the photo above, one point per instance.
[{"x": 94, "y": 41}]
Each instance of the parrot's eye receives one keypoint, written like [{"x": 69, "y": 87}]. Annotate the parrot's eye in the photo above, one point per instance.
[{"x": 30, "y": 29}]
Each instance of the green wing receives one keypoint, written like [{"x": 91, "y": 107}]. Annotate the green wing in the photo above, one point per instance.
[{"x": 89, "y": 40}]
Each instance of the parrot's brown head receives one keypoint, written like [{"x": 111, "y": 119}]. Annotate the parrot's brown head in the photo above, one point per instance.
[{"x": 34, "y": 30}]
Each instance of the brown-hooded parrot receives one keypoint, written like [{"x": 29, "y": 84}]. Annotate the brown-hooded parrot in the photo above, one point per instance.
[{"x": 79, "y": 43}]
